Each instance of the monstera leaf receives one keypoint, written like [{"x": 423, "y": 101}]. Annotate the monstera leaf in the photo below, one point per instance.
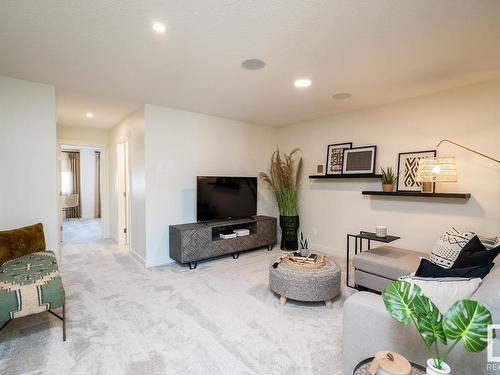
[
  {"x": 429, "y": 320},
  {"x": 399, "y": 299},
  {"x": 468, "y": 320}
]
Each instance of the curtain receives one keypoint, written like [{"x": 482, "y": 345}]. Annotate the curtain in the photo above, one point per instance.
[
  {"x": 97, "y": 184},
  {"x": 74, "y": 166}
]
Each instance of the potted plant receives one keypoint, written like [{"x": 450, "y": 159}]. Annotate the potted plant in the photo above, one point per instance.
[
  {"x": 284, "y": 179},
  {"x": 388, "y": 179},
  {"x": 304, "y": 245},
  {"x": 465, "y": 320}
]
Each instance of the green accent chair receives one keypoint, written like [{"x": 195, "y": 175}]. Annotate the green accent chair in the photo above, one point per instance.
[{"x": 30, "y": 282}]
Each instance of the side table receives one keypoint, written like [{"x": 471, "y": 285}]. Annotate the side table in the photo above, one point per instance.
[
  {"x": 364, "y": 365},
  {"x": 369, "y": 236}
]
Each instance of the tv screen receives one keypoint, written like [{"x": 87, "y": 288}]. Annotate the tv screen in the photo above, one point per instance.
[{"x": 226, "y": 197}]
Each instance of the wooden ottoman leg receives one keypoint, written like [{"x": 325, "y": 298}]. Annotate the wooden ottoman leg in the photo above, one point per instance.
[
  {"x": 282, "y": 300},
  {"x": 329, "y": 303}
]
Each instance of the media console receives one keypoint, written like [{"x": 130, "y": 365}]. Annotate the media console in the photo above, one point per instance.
[{"x": 190, "y": 243}]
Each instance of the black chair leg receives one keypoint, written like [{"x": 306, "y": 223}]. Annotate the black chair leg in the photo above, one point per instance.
[{"x": 64, "y": 320}]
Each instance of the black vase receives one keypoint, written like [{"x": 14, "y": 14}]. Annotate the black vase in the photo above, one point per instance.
[{"x": 289, "y": 227}]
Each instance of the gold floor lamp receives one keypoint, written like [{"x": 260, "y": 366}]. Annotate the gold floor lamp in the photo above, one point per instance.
[{"x": 441, "y": 169}]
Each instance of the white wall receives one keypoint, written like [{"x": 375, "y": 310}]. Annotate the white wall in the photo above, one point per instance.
[
  {"x": 182, "y": 145},
  {"x": 28, "y": 157},
  {"x": 469, "y": 115},
  {"x": 88, "y": 135},
  {"x": 131, "y": 129}
]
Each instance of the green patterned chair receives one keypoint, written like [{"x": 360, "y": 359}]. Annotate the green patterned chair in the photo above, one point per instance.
[{"x": 29, "y": 278}]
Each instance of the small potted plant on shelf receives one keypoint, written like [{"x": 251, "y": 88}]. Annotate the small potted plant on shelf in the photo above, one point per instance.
[
  {"x": 304, "y": 245},
  {"x": 388, "y": 179},
  {"x": 465, "y": 320}
]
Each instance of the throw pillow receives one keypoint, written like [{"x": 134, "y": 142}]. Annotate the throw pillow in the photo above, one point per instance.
[
  {"x": 489, "y": 242},
  {"x": 470, "y": 256},
  {"x": 448, "y": 247},
  {"x": 429, "y": 269},
  {"x": 445, "y": 292}
]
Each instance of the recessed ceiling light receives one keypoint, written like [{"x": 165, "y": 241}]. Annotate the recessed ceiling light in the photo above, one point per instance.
[
  {"x": 253, "y": 64},
  {"x": 341, "y": 96},
  {"x": 159, "y": 27},
  {"x": 302, "y": 83},
  {"x": 89, "y": 115}
]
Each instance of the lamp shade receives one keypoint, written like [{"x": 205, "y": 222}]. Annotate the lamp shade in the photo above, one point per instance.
[{"x": 441, "y": 169}]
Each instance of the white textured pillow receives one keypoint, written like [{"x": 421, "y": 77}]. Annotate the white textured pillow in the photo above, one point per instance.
[
  {"x": 489, "y": 242},
  {"x": 448, "y": 247},
  {"x": 444, "y": 292}
]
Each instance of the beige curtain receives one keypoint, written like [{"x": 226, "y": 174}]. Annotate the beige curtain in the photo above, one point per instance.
[
  {"x": 97, "y": 184},
  {"x": 74, "y": 165}
]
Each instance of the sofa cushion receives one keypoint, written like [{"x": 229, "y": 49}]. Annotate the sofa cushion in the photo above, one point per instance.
[
  {"x": 471, "y": 256},
  {"x": 489, "y": 293},
  {"x": 445, "y": 292},
  {"x": 18, "y": 242},
  {"x": 450, "y": 245},
  {"x": 388, "y": 261},
  {"x": 30, "y": 284},
  {"x": 429, "y": 269}
]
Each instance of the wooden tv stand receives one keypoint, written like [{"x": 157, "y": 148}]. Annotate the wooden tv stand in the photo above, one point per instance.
[{"x": 190, "y": 243}]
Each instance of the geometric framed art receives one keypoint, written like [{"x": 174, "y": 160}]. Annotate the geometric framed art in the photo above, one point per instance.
[
  {"x": 335, "y": 157},
  {"x": 407, "y": 169},
  {"x": 359, "y": 160}
]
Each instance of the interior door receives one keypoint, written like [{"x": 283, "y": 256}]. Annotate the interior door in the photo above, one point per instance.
[{"x": 123, "y": 189}]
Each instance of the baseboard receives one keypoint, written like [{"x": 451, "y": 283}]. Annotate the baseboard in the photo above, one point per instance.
[
  {"x": 137, "y": 257},
  {"x": 340, "y": 253}
]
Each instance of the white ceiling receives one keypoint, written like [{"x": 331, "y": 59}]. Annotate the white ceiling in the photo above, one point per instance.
[
  {"x": 72, "y": 107},
  {"x": 380, "y": 51}
]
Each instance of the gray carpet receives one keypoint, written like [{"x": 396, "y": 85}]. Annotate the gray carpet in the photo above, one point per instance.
[{"x": 218, "y": 319}]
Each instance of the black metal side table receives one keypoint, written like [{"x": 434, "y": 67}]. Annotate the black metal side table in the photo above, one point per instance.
[{"x": 369, "y": 236}]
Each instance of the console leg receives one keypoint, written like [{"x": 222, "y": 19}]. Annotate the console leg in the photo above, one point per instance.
[
  {"x": 329, "y": 304},
  {"x": 282, "y": 300},
  {"x": 192, "y": 265},
  {"x": 236, "y": 255},
  {"x": 270, "y": 247}
]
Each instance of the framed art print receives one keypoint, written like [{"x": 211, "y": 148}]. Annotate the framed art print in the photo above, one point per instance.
[
  {"x": 359, "y": 160},
  {"x": 335, "y": 157},
  {"x": 407, "y": 169}
]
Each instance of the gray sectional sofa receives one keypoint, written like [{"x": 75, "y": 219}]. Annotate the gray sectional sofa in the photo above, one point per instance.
[{"x": 368, "y": 327}]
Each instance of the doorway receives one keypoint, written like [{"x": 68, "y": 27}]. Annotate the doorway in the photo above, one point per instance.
[{"x": 80, "y": 193}]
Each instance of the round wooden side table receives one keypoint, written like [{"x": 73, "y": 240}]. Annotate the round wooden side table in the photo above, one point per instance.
[{"x": 363, "y": 366}]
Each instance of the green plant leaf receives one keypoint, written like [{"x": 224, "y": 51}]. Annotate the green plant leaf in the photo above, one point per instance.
[
  {"x": 468, "y": 320},
  {"x": 429, "y": 320},
  {"x": 398, "y": 298}
]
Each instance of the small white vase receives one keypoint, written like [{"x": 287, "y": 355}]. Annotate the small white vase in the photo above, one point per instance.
[
  {"x": 304, "y": 252},
  {"x": 431, "y": 370}
]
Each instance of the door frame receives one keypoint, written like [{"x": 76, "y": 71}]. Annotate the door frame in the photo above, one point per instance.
[
  {"x": 123, "y": 204},
  {"x": 103, "y": 147}
]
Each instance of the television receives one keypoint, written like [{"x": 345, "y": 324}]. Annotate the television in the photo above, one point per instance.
[{"x": 225, "y": 197}]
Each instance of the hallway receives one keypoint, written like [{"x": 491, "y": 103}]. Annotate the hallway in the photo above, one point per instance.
[{"x": 81, "y": 230}]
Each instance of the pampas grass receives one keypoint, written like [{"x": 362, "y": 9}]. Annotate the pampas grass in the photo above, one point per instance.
[{"x": 284, "y": 179}]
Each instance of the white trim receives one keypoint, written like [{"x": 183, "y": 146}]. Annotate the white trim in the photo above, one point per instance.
[{"x": 137, "y": 257}]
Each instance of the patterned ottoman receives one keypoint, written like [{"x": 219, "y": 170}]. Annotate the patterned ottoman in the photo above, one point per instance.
[
  {"x": 29, "y": 285},
  {"x": 303, "y": 284}
]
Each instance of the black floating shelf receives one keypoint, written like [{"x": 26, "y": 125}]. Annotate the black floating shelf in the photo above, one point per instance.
[
  {"x": 418, "y": 194},
  {"x": 342, "y": 176}
]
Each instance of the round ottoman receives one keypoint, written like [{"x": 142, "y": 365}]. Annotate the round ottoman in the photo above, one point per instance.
[{"x": 305, "y": 284}]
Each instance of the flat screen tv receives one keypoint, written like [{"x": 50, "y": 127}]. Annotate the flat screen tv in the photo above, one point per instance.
[{"x": 225, "y": 197}]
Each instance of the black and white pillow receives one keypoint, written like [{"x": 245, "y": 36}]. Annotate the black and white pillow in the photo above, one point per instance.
[{"x": 448, "y": 247}]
